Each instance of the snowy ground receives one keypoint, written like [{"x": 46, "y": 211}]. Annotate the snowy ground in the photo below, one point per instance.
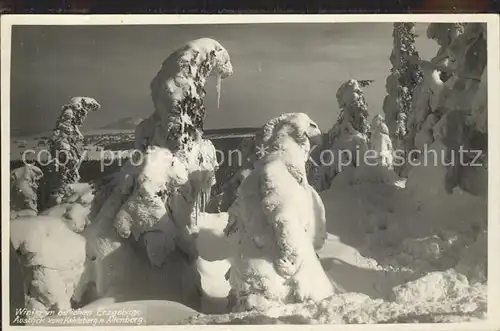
[{"x": 398, "y": 252}]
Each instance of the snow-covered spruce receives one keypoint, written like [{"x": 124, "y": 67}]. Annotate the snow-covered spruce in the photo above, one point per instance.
[
  {"x": 474, "y": 179},
  {"x": 221, "y": 201},
  {"x": 157, "y": 196},
  {"x": 274, "y": 261},
  {"x": 237, "y": 170},
  {"x": 23, "y": 190},
  {"x": 349, "y": 133},
  {"x": 462, "y": 63},
  {"x": 177, "y": 92},
  {"x": 479, "y": 115},
  {"x": 353, "y": 109},
  {"x": 400, "y": 85},
  {"x": 66, "y": 148},
  {"x": 252, "y": 149},
  {"x": 450, "y": 123},
  {"x": 469, "y": 52},
  {"x": 426, "y": 108}
]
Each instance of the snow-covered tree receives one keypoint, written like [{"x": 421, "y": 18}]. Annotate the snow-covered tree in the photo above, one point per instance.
[
  {"x": 463, "y": 125},
  {"x": 158, "y": 195},
  {"x": 251, "y": 149},
  {"x": 23, "y": 189},
  {"x": 349, "y": 133},
  {"x": 400, "y": 85},
  {"x": 426, "y": 96},
  {"x": 236, "y": 169},
  {"x": 353, "y": 108},
  {"x": 66, "y": 147},
  {"x": 279, "y": 218},
  {"x": 455, "y": 115}
]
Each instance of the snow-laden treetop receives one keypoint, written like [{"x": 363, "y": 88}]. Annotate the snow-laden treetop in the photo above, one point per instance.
[
  {"x": 81, "y": 106},
  {"x": 298, "y": 126},
  {"x": 177, "y": 92},
  {"x": 353, "y": 108},
  {"x": 73, "y": 115}
]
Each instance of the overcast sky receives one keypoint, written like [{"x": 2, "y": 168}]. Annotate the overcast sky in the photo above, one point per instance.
[{"x": 278, "y": 68}]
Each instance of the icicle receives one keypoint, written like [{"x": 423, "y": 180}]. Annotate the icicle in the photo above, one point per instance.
[{"x": 219, "y": 86}]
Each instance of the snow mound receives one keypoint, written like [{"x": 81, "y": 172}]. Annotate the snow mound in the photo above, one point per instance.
[
  {"x": 434, "y": 298},
  {"x": 439, "y": 286}
]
